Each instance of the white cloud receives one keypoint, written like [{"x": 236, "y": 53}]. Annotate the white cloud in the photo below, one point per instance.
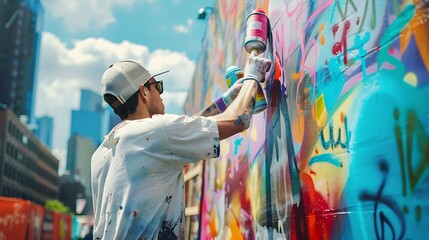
[
  {"x": 174, "y": 101},
  {"x": 184, "y": 28},
  {"x": 83, "y": 14},
  {"x": 63, "y": 71},
  {"x": 180, "y": 66}
]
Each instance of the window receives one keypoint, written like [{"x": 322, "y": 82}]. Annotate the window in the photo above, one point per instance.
[{"x": 24, "y": 139}]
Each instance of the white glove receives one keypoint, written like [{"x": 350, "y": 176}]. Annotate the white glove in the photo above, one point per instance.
[{"x": 256, "y": 68}]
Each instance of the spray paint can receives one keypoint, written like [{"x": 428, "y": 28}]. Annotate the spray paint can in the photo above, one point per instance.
[
  {"x": 256, "y": 31},
  {"x": 233, "y": 73}
]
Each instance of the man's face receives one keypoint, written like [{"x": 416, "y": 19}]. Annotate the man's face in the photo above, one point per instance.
[{"x": 155, "y": 104}]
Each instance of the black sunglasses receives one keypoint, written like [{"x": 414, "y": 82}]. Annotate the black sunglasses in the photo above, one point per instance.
[{"x": 159, "y": 86}]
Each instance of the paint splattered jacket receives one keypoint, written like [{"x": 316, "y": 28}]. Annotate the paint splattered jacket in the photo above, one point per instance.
[{"x": 136, "y": 174}]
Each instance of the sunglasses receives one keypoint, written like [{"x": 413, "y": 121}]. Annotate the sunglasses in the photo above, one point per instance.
[{"x": 159, "y": 86}]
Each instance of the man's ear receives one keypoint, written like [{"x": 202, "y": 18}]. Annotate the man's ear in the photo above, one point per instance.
[{"x": 143, "y": 90}]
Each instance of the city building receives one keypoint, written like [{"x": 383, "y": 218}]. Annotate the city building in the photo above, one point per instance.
[
  {"x": 20, "y": 33},
  {"x": 113, "y": 119},
  {"x": 88, "y": 126},
  {"x": 44, "y": 130},
  {"x": 71, "y": 193},
  {"x": 90, "y": 120},
  {"x": 79, "y": 152},
  {"x": 28, "y": 170}
]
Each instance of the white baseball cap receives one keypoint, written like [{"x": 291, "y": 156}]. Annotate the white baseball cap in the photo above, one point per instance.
[{"x": 123, "y": 79}]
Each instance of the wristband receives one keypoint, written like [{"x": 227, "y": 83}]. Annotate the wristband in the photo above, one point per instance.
[{"x": 220, "y": 104}]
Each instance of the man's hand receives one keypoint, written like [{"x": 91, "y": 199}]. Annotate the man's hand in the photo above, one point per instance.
[{"x": 256, "y": 68}]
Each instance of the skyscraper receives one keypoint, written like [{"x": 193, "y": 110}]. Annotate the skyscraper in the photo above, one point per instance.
[
  {"x": 20, "y": 33},
  {"x": 44, "y": 130},
  {"x": 113, "y": 118},
  {"x": 79, "y": 151},
  {"x": 88, "y": 127},
  {"x": 90, "y": 120}
]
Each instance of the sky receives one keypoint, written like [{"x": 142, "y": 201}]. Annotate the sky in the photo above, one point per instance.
[{"x": 81, "y": 38}]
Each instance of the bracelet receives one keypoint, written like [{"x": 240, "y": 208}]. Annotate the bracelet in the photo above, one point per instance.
[{"x": 220, "y": 104}]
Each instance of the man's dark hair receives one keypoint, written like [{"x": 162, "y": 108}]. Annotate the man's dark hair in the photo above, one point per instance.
[{"x": 125, "y": 109}]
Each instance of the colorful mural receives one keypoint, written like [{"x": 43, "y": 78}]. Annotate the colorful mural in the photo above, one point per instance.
[{"x": 342, "y": 152}]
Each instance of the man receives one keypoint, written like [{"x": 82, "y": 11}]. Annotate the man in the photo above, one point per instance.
[{"x": 137, "y": 180}]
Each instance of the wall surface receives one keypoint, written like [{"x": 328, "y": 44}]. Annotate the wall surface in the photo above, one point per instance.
[{"x": 342, "y": 152}]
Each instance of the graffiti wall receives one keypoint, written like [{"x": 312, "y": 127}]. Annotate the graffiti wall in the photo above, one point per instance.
[{"x": 342, "y": 152}]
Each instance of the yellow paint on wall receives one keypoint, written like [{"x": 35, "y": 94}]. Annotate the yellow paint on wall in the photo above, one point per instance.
[
  {"x": 296, "y": 76},
  {"x": 233, "y": 223},
  {"x": 321, "y": 36},
  {"x": 254, "y": 133},
  {"x": 330, "y": 180},
  {"x": 320, "y": 111},
  {"x": 411, "y": 79},
  {"x": 254, "y": 188}
]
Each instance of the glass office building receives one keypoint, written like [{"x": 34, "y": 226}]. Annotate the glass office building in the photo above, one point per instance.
[
  {"x": 44, "y": 130},
  {"x": 20, "y": 35}
]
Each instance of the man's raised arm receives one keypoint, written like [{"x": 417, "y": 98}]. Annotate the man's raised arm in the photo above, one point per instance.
[{"x": 236, "y": 118}]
